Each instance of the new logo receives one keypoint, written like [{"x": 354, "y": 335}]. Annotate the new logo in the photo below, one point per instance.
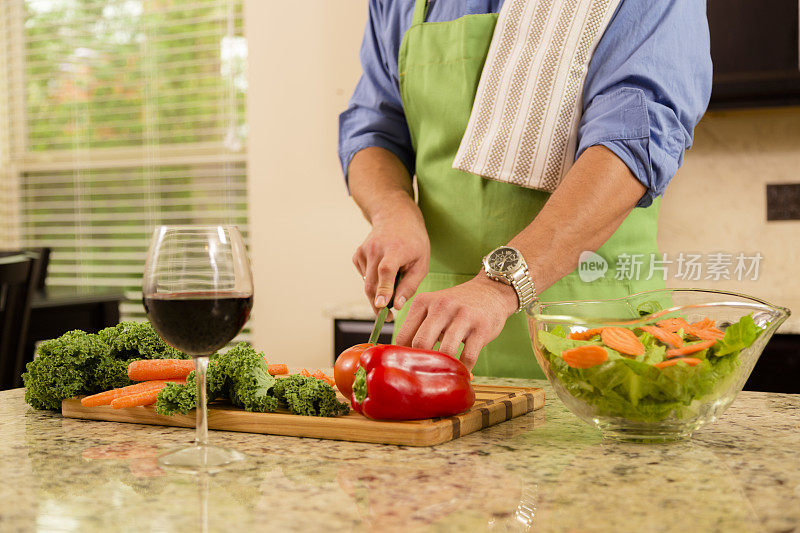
[{"x": 591, "y": 266}]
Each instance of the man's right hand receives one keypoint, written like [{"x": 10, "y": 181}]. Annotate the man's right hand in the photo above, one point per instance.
[{"x": 398, "y": 243}]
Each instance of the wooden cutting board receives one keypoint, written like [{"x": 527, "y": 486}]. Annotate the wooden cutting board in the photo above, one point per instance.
[{"x": 493, "y": 404}]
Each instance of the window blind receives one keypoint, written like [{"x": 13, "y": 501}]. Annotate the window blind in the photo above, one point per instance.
[{"x": 121, "y": 115}]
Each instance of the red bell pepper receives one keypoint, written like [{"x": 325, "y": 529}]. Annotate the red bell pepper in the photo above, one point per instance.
[
  {"x": 399, "y": 383},
  {"x": 344, "y": 369}
]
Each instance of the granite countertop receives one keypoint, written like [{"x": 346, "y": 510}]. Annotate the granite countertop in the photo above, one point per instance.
[{"x": 546, "y": 471}]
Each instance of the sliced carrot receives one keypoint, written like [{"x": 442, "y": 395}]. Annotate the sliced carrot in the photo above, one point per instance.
[
  {"x": 147, "y": 397},
  {"x": 694, "y": 347},
  {"x": 585, "y": 356},
  {"x": 150, "y": 369},
  {"x": 667, "y": 337},
  {"x": 305, "y": 373},
  {"x": 691, "y": 361},
  {"x": 672, "y": 324},
  {"x": 705, "y": 323},
  {"x": 585, "y": 335},
  {"x": 622, "y": 340},
  {"x": 319, "y": 374},
  {"x": 705, "y": 333},
  {"x": 105, "y": 398},
  {"x": 277, "y": 369}
]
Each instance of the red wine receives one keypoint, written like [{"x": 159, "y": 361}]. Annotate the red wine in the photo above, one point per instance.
[{"x": 198, "y": 323}]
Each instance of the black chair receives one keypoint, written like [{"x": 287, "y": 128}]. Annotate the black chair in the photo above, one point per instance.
[
  {"x": 41, "y": 258},
  {"x": 17, "y": 282},
  {"x": 40, "y": 268}
]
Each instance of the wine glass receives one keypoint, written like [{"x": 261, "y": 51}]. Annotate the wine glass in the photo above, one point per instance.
[{"x": 197, "y": 292}]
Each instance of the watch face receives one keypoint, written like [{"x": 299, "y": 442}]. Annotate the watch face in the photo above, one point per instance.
[{"x": 504, "y": 260}]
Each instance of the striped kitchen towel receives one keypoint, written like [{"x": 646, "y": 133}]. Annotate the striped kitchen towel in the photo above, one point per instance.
[{"x": 523, "y": 126}]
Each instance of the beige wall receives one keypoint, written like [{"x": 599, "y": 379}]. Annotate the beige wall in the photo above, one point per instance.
[
  {"x": 717, "y": 201},
  {"x": 303, "y": 66}
]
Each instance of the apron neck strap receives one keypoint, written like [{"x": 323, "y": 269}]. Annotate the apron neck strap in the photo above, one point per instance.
[{"x": 420, "y": 11}]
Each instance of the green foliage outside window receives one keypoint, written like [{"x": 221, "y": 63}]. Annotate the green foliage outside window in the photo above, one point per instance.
[
  {"x": 104, "y": 77},
  {"x": 112, "y": 73}
]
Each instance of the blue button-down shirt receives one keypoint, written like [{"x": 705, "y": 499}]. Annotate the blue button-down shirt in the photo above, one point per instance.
[{"x": 647, "y": 86}]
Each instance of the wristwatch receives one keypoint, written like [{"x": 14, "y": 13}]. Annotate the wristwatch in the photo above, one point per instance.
[{"x": 506, "y": 265}]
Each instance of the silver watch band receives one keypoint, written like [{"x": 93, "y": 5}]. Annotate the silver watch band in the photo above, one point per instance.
[{"x": 525, "y": 289}]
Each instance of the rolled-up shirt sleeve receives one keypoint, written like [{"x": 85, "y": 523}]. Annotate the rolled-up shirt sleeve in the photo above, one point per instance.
[
  {"x": 648, "y": 85},
  {"x": 374, "y": 116}
]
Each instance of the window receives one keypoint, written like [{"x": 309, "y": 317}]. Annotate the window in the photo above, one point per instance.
[{"x": 116, "y": 116}]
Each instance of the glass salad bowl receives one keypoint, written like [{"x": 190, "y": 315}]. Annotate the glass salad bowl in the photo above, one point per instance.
[{"x": 654, "y": 366}]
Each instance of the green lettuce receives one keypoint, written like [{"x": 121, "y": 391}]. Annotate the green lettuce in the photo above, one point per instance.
[
  {"x": 634, "y": 388},
  {"x": 647, "y": 308},
  {"x": 738, "y": 336}
]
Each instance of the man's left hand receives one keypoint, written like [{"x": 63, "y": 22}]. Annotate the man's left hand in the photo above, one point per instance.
[{"x": 474, "y": 313}]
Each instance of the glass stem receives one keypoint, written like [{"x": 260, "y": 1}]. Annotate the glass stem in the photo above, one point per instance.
[
  {"x": 201, "y": 425},
  {"x": 202, "y": 486}
]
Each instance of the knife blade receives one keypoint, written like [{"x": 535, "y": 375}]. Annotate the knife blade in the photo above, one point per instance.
[
  {"x": 383, "y": 313},
  {"x": 379, "y": 320}
]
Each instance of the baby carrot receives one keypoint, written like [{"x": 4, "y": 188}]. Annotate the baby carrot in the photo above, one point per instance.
[
  {"x": 105, "y": 398},
  {"x": 709, "y": 333},
  {"x": 150, "y": 369},
  {"x": 584, "y": 335},
  {"x": 691, "y": 361},
  {"x": 305, "y": 373},
  {"x": 622, "y": 340},
  {"x": 694, "y": 347},
  {"x": 319, "y": 374},
  {"x": 147, "y": 397},
  {"x": 277, "y": 368},
  {"x": 703, "y": 324},
  {"x": 667, "y": 337},
  {"x": 585, "y": 356},
  {"x": 673, "y": 324}
]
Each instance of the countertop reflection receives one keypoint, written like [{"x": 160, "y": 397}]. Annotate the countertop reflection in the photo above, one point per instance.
[{"x": 546, "y": 471}]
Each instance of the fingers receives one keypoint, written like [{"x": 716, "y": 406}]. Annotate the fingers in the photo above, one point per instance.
[
  {"x": 431, "y": 319},
  {"x": 431, "y": 329},
  {"x": 379, "y": 271},
  {"x": 401, "y": 246},
  {"x": 370, "y": 258},
  {"x": 473, "y": 345},
  {"x": 453, "y": 335},
  {"x": 416, "y": 314},
  {"x": 360, "y": 262},
  {"x": 430, "y": 314},
  {"x": 408, "y": 285},
  {"x": 438, "y": 316},
  {"x": 387, "y": 272},
  {"x": 371, "y": 282}
]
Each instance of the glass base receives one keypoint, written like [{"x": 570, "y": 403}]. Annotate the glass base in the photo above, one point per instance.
[
  {"x": 643, "y": 435},
  {"x": 198, "y": 458}
]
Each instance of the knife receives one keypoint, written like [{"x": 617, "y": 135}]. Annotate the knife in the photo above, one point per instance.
[{"x": 381, "y": 318}]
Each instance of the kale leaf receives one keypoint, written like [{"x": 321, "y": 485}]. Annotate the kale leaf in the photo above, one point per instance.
[{"x": 309, "y": 396}]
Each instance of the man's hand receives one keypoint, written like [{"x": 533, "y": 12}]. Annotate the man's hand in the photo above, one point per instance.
[
  {"x": 591, "y": 202},
  {"x": 589, "y": 205},
  {"x": 381, "y": 186},
  {"x": 473, "y": 313},
  {"x": 397, "y": 245}
]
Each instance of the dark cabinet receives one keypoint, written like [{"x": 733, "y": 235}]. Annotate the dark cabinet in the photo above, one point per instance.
[
  {"x": 349, "y": 332},
  {"x": 778, "y": 367},
  {"x": 756, "y": 52}
]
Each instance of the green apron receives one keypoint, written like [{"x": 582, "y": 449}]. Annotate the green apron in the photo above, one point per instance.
[{"x": 466, "y": 215}]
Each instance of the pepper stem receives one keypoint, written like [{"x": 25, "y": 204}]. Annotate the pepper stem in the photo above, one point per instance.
[{"x": 360, "y": 385}]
